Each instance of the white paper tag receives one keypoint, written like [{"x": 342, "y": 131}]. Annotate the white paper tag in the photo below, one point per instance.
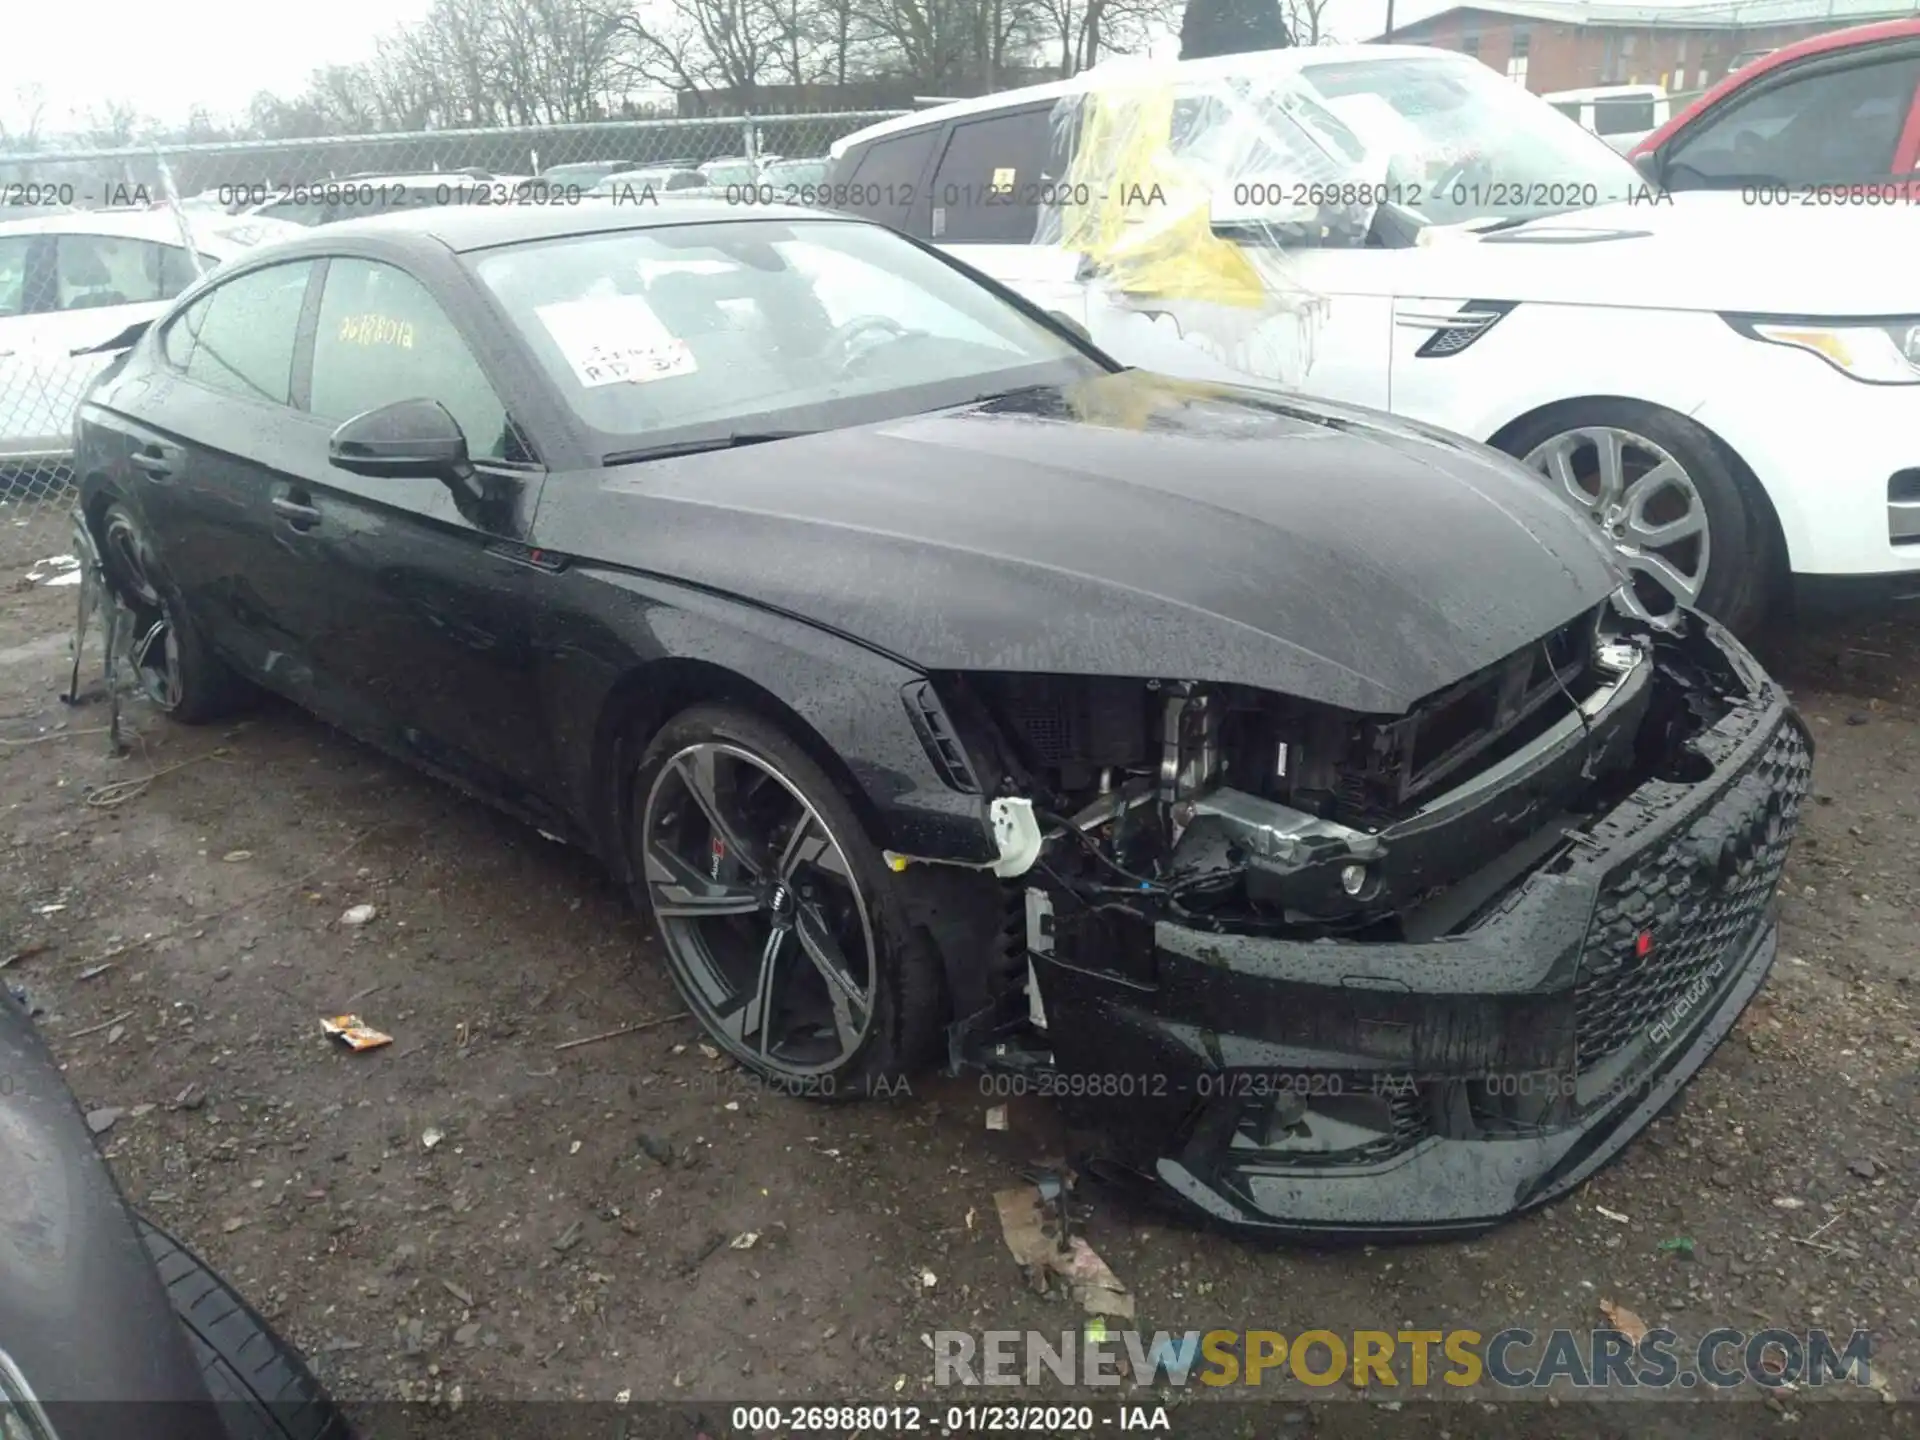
[{"x": 614, "y": 340}]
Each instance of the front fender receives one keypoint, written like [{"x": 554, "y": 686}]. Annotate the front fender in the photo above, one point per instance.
[
  {"x": 83, "y": 1315},
  {"x": 623, "y": 649}
]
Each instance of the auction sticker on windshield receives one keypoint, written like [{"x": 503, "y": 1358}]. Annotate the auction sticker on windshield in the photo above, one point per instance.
[{"x": 614, "y": 340}]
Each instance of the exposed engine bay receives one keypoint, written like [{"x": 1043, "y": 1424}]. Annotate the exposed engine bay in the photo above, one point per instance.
[{"x": 1236, "y": 810}]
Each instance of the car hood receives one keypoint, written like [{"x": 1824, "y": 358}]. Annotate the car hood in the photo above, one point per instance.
[
  {"x": 1126, "y": 525},
  {"x": 1697, "y": 250}
]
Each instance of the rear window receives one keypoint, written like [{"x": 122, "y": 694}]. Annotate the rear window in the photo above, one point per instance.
[
  {"x": 1628, "y": 115},
  {"x": 879, "y": 178}
]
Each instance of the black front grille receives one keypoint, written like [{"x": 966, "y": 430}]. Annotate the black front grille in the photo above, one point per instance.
[{"x": 1695, "y": 897}]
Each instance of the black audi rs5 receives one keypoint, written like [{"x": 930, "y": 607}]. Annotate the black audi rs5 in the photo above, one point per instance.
[{"x": 1279, "y": 780}]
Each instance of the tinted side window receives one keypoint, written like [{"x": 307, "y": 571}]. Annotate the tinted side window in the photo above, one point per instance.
[
  {"x": 243, "y": 344},
  {"x": 1819, "y": 128},
  {"x": 884, "y": 175},
  {"x": 1627, "y": 116},
  {"x": 987, "y": 188},
  {"x": 383, "y": 338},
  {"x": 13, "y": 275},
  {"x": 90, "y": 271}
]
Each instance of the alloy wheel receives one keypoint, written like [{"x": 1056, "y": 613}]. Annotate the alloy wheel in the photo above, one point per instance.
[
  {"x": 1646, "y": 505},
  {"x": 762, "y": 918},
  {"x": 155, "y": 648}
]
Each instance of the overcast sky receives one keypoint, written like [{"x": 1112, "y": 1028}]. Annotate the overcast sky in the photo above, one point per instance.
[{"x": 166, "y": 58}]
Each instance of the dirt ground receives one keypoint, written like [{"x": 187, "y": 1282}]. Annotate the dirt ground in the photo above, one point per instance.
[{"x": 474, "y": 1209}]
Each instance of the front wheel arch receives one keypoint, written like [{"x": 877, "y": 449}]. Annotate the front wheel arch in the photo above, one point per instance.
[
  {"x": 1769, "y": 585},
  {"x": 648, "y": 696}
]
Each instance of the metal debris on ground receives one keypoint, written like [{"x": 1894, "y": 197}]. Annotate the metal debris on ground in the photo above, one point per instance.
[
  {"x": 55, "y": 570},
  {"x": 746, "y": 1240},
  {"x": 355, "y": 1033},
  {"x": 625, "y": 1030},
  {"x": 431, "y": 1137},
  {"x": 1032, "y": 1229},
  {"x": 358, "y": 915},
  {"x": 997, "y": 1117}
]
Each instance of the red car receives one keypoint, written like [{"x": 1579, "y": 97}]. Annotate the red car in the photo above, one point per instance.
[{"x": 1828, "y": 117}]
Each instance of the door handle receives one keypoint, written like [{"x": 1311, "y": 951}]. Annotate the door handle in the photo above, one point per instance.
[
  {"x": 296, "y": 510},
  {"x": 156, "y": 462}
]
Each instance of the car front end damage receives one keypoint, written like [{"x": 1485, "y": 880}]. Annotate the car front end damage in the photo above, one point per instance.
[{"x": 1337, "y": 975}]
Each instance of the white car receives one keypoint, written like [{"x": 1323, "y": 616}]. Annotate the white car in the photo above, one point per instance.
[
  {"x": 1730, "y": 389},
  {"x": 78, "y": 279}
]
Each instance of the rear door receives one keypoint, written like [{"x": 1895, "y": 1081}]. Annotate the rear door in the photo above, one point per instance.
[
  {"x": 211, "y": 431},
  {"x": 429, "y": 603}
]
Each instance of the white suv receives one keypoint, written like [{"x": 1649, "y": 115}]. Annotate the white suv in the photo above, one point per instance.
[{"x": 1729, "y": 387}]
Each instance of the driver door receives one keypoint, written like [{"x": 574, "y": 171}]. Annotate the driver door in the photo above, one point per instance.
[{"x": 416, "y": 606}]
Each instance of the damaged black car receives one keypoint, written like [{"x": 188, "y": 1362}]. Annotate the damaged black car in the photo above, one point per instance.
[{"x": 1278, "y": 784}]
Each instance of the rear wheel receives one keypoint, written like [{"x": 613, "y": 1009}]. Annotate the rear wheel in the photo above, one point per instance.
[
  {"x": 1666, "y": 497},
  {"x": 171, "y": 661},
  {"x": 783, "y": 928},
  {"x": 262, "y": 1387}
]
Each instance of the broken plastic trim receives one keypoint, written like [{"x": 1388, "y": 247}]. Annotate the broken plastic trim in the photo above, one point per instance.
[{"x": 1016, "y": 834}]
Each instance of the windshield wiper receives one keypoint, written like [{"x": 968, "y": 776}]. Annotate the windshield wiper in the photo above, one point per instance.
[{"x": 696, "y": 447}]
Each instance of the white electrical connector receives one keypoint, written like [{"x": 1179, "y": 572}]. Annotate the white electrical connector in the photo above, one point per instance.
[{"x": 1017, "y": 833}]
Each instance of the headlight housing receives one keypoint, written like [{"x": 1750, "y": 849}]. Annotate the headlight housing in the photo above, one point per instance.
[
  {"x": 1880, "y": 351},
  {"x": 21, "y": 1417}
]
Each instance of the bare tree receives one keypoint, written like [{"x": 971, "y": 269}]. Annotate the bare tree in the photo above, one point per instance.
[
  {"x": 1306, "y": 20},
  {"x": 1081, "y": 33},
  {"x": 30, "y": 99},
  {"x": 113, "y": 124}
]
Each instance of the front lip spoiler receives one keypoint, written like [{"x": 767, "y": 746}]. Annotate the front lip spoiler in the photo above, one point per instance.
[{"x": 1514, "y": 1175}]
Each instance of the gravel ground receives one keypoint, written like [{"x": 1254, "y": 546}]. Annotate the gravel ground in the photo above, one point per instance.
[{"x": 473, "y": 1210}]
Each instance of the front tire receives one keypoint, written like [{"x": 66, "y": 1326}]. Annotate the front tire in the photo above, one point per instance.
[
  {"x": 784, "y": 930},
  {"x": 175, "y": 667},
  {"x": 1669, "y": 500},
  {"x": 262, "y": 1387}
]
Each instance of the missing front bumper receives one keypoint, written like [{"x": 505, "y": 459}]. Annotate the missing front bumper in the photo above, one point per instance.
[{"x": 1330, "y": 1088}]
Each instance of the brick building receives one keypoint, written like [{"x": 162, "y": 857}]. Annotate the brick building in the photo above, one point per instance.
[{"x": 1550, "y": 45}]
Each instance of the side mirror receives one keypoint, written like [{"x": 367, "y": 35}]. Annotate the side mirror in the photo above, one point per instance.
[
  {"x": 1647, "y": 162},
  {"x": 409, "y": 438}
]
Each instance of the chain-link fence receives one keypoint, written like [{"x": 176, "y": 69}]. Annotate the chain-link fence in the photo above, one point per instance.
[{"x": 89, "y": 244}]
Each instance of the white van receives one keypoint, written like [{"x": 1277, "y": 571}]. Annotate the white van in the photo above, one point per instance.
[
  {"x": 1622, "y": 115},
  {"x": 1402, "y": 228}
]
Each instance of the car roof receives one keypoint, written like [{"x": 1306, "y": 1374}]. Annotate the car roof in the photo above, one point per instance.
[
  {"x": 464, "y": 228},
  {"x": 1607, "y": 92},
  {"x": 1855, "y": 37},
  {"x": 158, "y": 225},
  {"x": 1120, "y": 71}
]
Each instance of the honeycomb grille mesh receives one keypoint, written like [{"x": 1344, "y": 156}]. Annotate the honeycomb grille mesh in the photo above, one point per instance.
[{"x": 1698, "y": 895}]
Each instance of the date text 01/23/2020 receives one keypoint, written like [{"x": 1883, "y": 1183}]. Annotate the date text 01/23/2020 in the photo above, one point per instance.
[
  {"x": 833, "y": 1421},
  {"x": 1551, "y": 1085}
]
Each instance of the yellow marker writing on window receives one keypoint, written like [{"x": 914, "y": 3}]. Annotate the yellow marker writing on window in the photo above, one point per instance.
[{"x": 376, "y": 329}]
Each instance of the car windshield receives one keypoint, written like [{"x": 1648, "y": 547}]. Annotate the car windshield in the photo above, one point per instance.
[
  {"x": 730, "y": 172},
  {"x": 797, "y": 172},
  {"x": 1447, "y": 139},
  {"x": 673, "y": 333}
]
